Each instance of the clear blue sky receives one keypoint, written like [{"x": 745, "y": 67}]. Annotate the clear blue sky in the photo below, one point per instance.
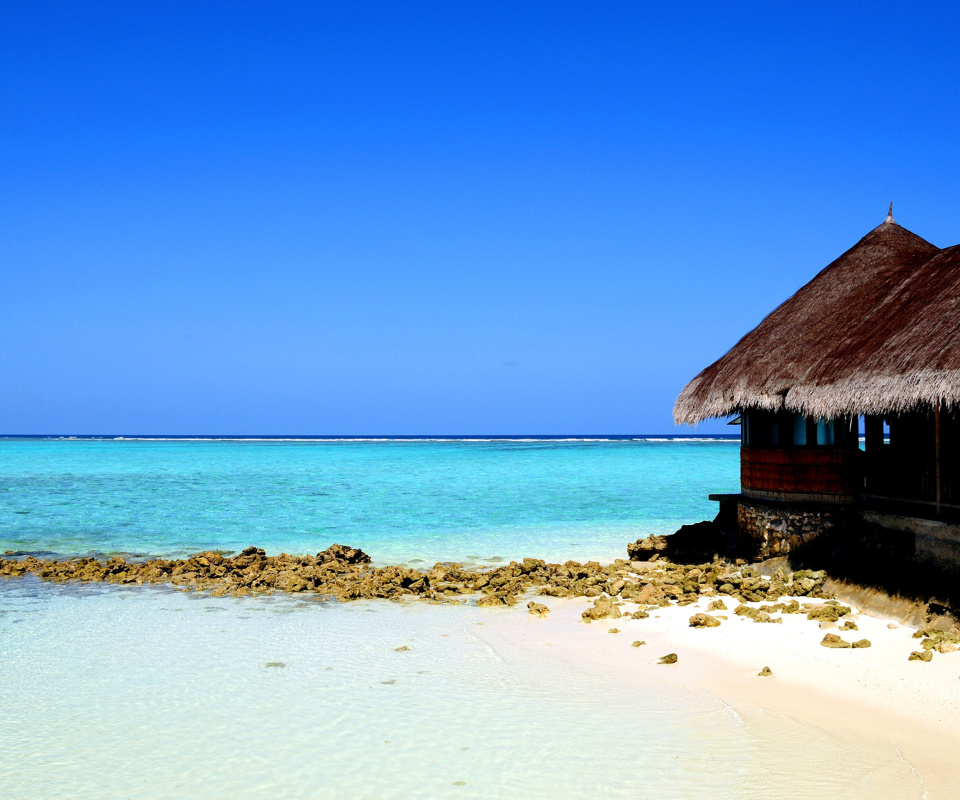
[{"x": 406, "y": 218}]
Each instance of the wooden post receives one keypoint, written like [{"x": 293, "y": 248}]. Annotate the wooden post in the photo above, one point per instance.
[{"x": 938, "y": 426}]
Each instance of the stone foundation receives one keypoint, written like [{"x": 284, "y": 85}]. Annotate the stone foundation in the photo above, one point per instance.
[{"x": 768, "y": 530}]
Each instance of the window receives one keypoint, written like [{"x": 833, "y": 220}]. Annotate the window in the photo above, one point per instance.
[
  {"x": 825, "y": 431},
  {"x": 799, "y": 429}
]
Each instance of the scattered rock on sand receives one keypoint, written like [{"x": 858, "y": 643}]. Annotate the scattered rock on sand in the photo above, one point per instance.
[
  {"x": 832, "y": 640},
  {"x": 702, "y": 620},
  {"x": 669, "y": 658},
  {"x": 602, "y": 608},
  {"x": 763, "y": 616},
  {"x": 614, "y": 630},
  {"x": 862, "y": 643},
  {"x": 717, "y": 605},
  {"x": 489, "y": 600},
  {"x": 849, "y": 625},
  {"x": 639, "y": 614},
  {"x": 402, "y": 649},
  {"x": 828, "y": 613},
  {"x": 892, "y": 626},
  {"x": 538, "y": 609},
  {"x": 926, "y": 655},
  {"x": 638, "y": 644},
  {"x": 766, "y": 672}
]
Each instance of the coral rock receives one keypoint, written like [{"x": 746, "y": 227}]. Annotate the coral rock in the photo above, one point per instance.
[
  {"x": 703, "y": 621},
  {"x": 832, "y": 640}
]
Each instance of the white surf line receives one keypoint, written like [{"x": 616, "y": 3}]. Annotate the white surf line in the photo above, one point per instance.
[{"x": 923, "y": 789}]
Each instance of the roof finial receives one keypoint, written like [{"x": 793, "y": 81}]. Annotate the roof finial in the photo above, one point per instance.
[{"x": 890, "y": 213}]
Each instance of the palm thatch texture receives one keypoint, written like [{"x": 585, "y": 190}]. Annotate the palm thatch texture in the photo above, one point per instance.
[{"x": 876, "y": 332}]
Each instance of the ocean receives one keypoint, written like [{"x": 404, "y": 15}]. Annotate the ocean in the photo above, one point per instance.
[{"x": 402, "y": 501}]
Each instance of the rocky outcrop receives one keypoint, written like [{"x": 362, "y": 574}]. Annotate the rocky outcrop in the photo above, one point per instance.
[
  {"x": 646, "y": 548},
  {"x": 346, "y": 573},
  {"x": 691, "y": 544}
]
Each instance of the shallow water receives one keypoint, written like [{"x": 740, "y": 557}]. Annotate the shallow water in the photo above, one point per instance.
[
  {"x": 114, "y": 692},
  {"x": 469, "y": 501}
]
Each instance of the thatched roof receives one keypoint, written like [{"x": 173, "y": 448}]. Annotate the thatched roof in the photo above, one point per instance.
[{"x": 877, "y": 331}]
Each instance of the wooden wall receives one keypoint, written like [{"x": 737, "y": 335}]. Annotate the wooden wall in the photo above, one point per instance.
[{"x": 825, "y": 471}]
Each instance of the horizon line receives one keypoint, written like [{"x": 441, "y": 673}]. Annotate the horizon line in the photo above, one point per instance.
[{"x": 368, "y": 437}]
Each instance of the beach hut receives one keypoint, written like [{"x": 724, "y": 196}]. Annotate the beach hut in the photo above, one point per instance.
[{"x": 871, "y": 344}]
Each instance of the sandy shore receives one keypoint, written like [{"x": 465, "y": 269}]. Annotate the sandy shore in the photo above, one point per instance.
[{"x": 904, "y": 710}]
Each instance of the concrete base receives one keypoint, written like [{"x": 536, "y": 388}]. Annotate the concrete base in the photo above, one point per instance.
[
  {"x": 933, "y": 540},
  {"x": 767, "y": 528}
]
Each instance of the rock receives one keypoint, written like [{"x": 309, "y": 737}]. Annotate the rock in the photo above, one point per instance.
[
  {"x": 832, "y": 640},
  {"x": 277, "y": 664},
  {"x": 763, "y": 616},
  {"x": 892, "y": 626},
  {"x": 644, "y": 549},
  {"x": 614, "y": 630},
  {"x": 289, "y": 581},
  {"x": 538, "y": 609},
  {"x": 702, "y": 620},
  {"x": 717, "y": 605},
  {"x": 926, "y": 655},
  {"x": 695, "y": 544},
  {"x": 649, "y": 595},
  {"x": 638, "y": 644},
  {"x": 766, "y": 672},
  {"x": 339, "y": 552},
  {"x": 849, "y": 625},
  {"x": 669, "y": 658},
  {"x": 825, "y": 626},
  {"x": 828, "y": 612},
  {"x": 862, "y": 643},
  {"x": 603, "y": 608},
  {"x": 402, "y": 649},
  {"x": 639, "y": 614},
  {"x": 489, "y": 600}
]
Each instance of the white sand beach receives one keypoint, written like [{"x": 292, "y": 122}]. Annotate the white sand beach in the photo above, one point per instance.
[{"x": 900, "y": 710}]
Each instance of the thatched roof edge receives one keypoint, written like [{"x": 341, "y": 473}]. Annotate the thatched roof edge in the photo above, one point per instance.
[
  {"x": 875, "y": 332},
  {"x": 880, "y": 394}
]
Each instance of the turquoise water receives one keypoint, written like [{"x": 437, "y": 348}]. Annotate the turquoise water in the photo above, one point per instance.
[{"x": 401, "y": 501}]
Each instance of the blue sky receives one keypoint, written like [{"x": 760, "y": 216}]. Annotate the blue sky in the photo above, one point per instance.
[{"x": 411, "y": 218}]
